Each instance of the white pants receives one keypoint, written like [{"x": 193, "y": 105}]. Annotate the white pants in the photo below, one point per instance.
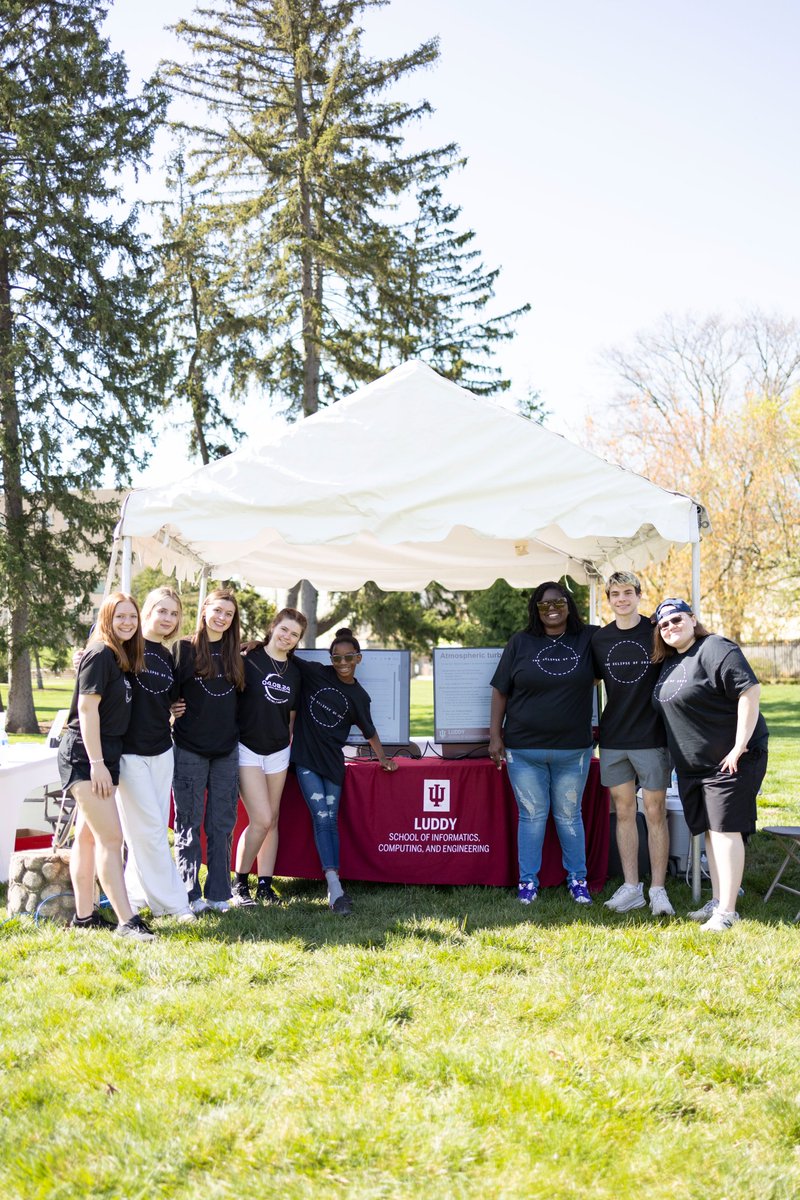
[{"x": 151, "y": 876}]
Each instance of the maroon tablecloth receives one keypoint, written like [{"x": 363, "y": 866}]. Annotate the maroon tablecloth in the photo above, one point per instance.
[{"x": 433, "y": 821}]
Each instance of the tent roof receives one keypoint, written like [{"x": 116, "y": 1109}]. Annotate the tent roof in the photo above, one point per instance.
[{"x": 409, "y": 479}]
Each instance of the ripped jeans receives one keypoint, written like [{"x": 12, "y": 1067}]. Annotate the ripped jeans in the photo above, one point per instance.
[
  {"x": 322, "y": 798},
  {"x": 545, "y": 779}
]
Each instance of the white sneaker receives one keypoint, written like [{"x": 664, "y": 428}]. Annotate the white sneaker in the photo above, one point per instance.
[
  {"x": 659, "y": 903},
  {"x": 186, "y": 916},
  {"x": 221, "y": 906},
  {"x": 198, "y": 907},
  {"x": 627, "y": 897},
  {"x": 720, "y": 921},
  {"x": 702, "y": 914}
]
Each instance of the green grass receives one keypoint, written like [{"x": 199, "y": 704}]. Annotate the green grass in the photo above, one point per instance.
[{"x": 441, "y": 1042}]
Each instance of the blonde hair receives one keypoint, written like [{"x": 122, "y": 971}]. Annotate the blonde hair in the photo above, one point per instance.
[{"x": 151, "y": 600}]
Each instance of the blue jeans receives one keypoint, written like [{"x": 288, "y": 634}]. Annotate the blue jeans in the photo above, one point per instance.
[
  {"x": 194, "y": 777},
  {"x": 545, "y": 779},
  {"x": 322, "y": 798}
]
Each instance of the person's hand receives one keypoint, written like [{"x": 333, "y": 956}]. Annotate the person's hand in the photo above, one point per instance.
[
  {"x": 102, "y": 784},
  {"x": 178, "y": 709},
  {"x": 497, "y": 751},
  {"x": 730, "y": 763},
  {"x": 389, "y": 765}
]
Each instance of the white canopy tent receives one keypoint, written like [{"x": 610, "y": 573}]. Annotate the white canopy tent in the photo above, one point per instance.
[{"x": 409, "y": 479}]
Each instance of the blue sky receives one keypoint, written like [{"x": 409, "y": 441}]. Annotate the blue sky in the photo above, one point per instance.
[{"x": 626, "y": 158}]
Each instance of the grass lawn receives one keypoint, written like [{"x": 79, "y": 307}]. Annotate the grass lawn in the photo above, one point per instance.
[{"x": 441, "y": 1042}]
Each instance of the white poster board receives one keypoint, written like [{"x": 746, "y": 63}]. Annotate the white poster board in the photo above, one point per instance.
[
  {"x": 462, "y": 693},
  {"x": 386, "y": 676}
]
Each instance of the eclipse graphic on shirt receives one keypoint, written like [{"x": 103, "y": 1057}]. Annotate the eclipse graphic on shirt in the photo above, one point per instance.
[
  {"x": 128, "y": 691},
  {"x": 156, "y": 678},
  {"x": 328, "y": 707},
  {"x": 276, "y": 690},
  {"x": 627, "y": 661},
  {"x": 219, "y": 686},
  {"x": 557, "y": 659},
  {"x": 668, "y": 686}
]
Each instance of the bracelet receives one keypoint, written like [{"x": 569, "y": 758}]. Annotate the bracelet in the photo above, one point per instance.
[{"x": 93, "y": 761}]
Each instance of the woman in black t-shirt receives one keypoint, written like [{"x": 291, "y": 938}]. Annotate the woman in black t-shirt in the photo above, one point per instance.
[
  {"x": 330, "y": 702},
  {"x": 147, "y": 764},
  {"x": 266, "y": 711},
  {"x": 541, "y": 727},
  {"x": 708, "y": 697},
  {"x": 210, "y": 673},
  {"x": 88, "y": 762}
]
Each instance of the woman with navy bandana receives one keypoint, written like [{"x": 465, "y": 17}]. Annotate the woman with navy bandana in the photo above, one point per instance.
[
  {"x": 210, "y": 674},
  {"x": 708, "y": 697}
]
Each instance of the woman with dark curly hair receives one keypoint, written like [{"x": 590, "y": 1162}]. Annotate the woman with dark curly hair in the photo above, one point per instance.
[{"x": 541, "y": 727}]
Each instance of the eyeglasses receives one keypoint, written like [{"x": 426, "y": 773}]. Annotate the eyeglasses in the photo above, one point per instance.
[
  {"x": 343, "y": 658},
  {"x": 676, "y": 620},
  {"x": 546, "y": 605}
]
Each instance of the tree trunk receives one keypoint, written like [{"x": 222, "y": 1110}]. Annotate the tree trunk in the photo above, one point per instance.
[
  {"x": 38, "y": 663},
  {"x": 21, "y": 716},
  {"x": 308, "y": 606}
]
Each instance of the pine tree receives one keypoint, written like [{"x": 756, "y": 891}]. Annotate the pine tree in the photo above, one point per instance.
[{"x": 78, "y": 365}]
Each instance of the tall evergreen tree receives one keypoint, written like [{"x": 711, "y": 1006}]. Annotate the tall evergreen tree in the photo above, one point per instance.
[{"x": 78, "y": 362}]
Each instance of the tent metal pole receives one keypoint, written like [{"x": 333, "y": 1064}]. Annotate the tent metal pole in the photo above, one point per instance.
[
  {"x": 112, "y": 566},
  {"x": 697, "y": 878},
  {"x": 201, "y": 596},
  {"x": 125, "y": 568}
]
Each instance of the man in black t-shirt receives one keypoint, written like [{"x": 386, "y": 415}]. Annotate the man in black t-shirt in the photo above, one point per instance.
[{"x": 633, "y": 743}]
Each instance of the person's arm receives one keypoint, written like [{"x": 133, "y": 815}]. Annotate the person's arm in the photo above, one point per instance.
[
  {"x": 497, "y": 749},
  {"x": 388, "y": 764},
  {"x": 746, "y": 716},
  {"x": 89, "y": 719}
]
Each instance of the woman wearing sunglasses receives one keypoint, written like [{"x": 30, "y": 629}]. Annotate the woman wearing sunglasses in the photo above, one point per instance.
[
  {"x": 708, "y": 697},
  {"x": 331, "y": 701},
  {"x": 541, "y": 727}
]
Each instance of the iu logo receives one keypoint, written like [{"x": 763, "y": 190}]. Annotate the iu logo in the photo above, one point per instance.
[{"x": 436, "y": 795}]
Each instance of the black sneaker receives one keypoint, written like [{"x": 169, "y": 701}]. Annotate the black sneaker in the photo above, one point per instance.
[
  {"x": 136, "y": 930},
  {"x": 240, "y": 896},
  {"x": 342, "y": 906},
  {"x": 266, "y": 893},
  {"x": 95, "y": 921}
]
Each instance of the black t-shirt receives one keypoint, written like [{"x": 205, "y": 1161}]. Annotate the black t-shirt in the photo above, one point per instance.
[
  {"x": 327, "y": 710},
  {"x": 622, "y": 661},
  {"x": 154, "y": 690},
  {"x": 208, "y": 727},
  {"x": 271, "y": 690},
  {"x": 548, "y": 684},
  {"x": 698, "y": 695},
  {"x": 99, "y": 674}
]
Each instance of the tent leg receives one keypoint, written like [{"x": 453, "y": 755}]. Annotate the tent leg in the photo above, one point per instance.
[
  {"x": 112, "y": 566},
  {"x": 201, "y": 596},
  {"x": 696, "y": 874},
  {"x": 125, "y": 570}
]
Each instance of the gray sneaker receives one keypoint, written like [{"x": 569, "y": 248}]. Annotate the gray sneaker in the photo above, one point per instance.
[
  {"x": 702, "y": 914},
  {"x": 135, "y": 930},
  {"x": 659, "y": 903},
  {"x": 626, "y": 898},
  {"x": 720, "y": 922}
]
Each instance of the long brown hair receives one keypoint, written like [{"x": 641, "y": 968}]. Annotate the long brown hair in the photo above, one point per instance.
[
  {"x": 130, "y": 653},
  {"x": 230, "y": 645},
  {"x": 661, "y": 651}
]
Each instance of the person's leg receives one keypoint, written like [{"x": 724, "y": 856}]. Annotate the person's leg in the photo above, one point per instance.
[
  {"x": 529, "y": 775},
  {"x": 269, "y": 849},
  {"x": 151, "y": 876},
  {"x": 82, "y": 866},
  {"x": 568, "y": 772},
  {"x": 220, "y": 822},
  {"x": 623, "y": 796},
  {"x": 655, "y": 812},
  {"x": 322, "y": 800},
  {"x": 256, "y": 800},
  {"x": 189, "y": 794},
  {"x": 727, "y": 852},
  {"x": 100, "y": 814}
]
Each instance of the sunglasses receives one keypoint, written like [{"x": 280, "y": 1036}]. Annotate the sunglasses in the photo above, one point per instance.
[
  {"x": 343, "y": 658},
  {"x": 546, "y": 605},
  {"x": 676, "y": 620}
]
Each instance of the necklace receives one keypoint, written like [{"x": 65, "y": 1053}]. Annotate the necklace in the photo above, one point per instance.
[{"x": 275, "y": 666}]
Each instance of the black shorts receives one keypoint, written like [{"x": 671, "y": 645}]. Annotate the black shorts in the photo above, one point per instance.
[
  {"x": 73, "y": 761},
  {"x": 722, "y": 802}
]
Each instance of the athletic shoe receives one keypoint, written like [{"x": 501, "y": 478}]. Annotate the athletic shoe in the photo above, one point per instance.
[
  {"x": 220, "y": 906},
  {"x": 241, "y": 898},
  {"x": 720, "y": 922},
  {"x": 199, "y": 906},
  {"x": 135, "y": 930},
  {"x": 626, "y": 898},
  {"x": 527, "y": 892},
  {"x": 342, "y": 906},
  {"x": 95, "y": 921},
  {"x": 579, "y": 891},
  {"x": 702, "y": 914},
  {"x": 659, "y": 903},
  {"x": 185, "y": 916},
  {"x": 266, "y": 893}
]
